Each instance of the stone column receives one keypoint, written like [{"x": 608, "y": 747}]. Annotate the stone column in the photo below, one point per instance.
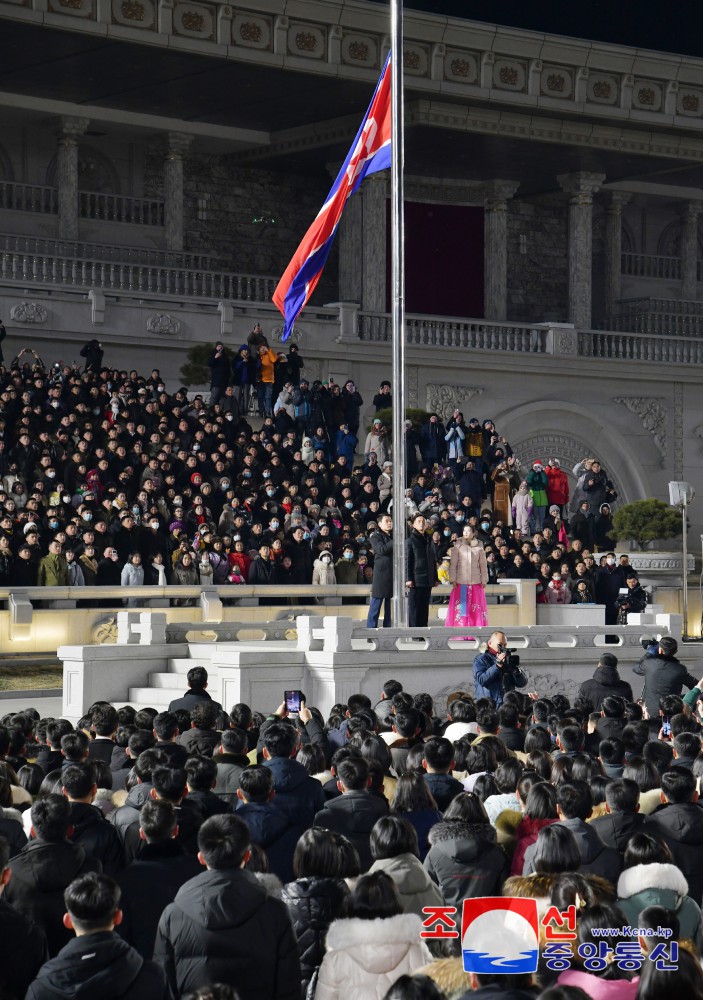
[
  {"x": 495, "y": 248},
  {"x": 178, "y": 145},
  {"x": 373, "y": 242},
  {"x": 350, "y": 250},
  {"x": 689, "y": 249},
  {"x": 67, "y": 175},
  {"x": 580, "y": 187},
  {"x": 613, "y": 248}
]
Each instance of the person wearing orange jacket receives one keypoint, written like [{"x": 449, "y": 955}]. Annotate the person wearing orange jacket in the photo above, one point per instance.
[{"x": 264, "y": 379}]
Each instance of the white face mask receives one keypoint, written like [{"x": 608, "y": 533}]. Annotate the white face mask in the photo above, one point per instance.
[{"x": 610, "y": 562}]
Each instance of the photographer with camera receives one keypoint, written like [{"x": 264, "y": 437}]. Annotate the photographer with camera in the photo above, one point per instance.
[{"x": 497, "y": 671}]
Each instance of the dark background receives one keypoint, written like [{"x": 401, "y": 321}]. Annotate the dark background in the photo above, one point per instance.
[{"x": 650, "y": 24}]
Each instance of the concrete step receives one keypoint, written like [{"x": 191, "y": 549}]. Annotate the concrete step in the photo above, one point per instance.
[
  {"x": 159, "y": 698},
  {"x": 181, "y": 664},
  {"x": 170, "y": 681}
]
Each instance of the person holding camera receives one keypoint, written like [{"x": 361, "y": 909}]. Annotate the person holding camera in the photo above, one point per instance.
[{"x": 497, "y": 671}]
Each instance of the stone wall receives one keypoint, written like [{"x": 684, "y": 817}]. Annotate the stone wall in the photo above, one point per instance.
[
  {"x": 537, "y": 277},
  {"x": 233, "y": 197}
]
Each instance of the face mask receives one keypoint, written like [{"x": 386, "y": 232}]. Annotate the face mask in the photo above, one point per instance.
[
  {"x": 87, "y": 516},
  {"x": 557, "y": 579},
  {"x": 348, "y": 555},
  {"x": 306, "y": 535},
  {"x": 135, "y": 510},
  {"x": 610, "y": 562},
  {"x": 459, "y": 518},
  {"x": 274, "y": 525},
  {"x": 349, "y": 505},
  {"x": 364, "y": 510},
  {"x": 53, "y": 525},
  {"x": 447, "y": 532},
  {"x": 267, "y": 475},
  {"x": 247, "y": 474},
  {"x": 225, "y": 484},
  {"x": 51, "y": 475},
  {"x": 270, "y": 493},
  {"x": 326, "y": 560},
  {"x": 155, "y": 525},
  {"x": 485, "y": 525}
]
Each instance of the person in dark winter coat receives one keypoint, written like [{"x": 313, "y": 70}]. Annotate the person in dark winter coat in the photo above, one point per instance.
[
  {"x": 605, "y": 682},
  {"x": 421, "y": 563},
  {"x": 316, "y": 896},
  {"x": 491, "y": 680},
  {"x": 202, "y": 737},
  {"x": 609, "y": 581},
  {"x": 90, "y": 828},
  {"x": 432, "y": 445},
  {"x": 356, "y": 810},
  {"x": 582, "y": 524},
  {"x": 663, "y": 674},
  {"x": 622, "y": 819},
  {"x": 197, "y": 692},
  {"x": 97, "y": 962},
  {"x": 45, "y": 867},
  {"x": 679, "y": 822},
  {"x": 24, "y": 949},
  {"x": 574, "y": 806},
  {"x": 222, "y": 927},
  {"x": 464, "y": 858},
  {"x": 93, "y": 354},
  {"x": 220, "y": 372},
  {"x": 382, "y": 583},
  {"x": 269, "y": 827},
  {"x": 634, "y": 602},
  {"x": 297, "y": 793},
  {"x": 152, "y": 880},
  {"x": 438, "y": 762},
  {"x": 231, "y": 759},
  {"x": 126, "y": 818}
]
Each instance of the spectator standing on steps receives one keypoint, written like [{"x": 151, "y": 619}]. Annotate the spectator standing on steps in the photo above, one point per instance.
[
  {"x": 93, "y": 354},
  {"x": 382, "y": 583},
  {"x": 220, "y": 371},
  {"x": 421, "y": 561}
]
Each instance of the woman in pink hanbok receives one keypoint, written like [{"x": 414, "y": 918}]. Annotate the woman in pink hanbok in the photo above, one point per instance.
[{"x": 468, "y": 575}]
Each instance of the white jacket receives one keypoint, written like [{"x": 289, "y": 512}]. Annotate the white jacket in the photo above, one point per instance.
[
  {"x": 323, "y": 574},
  {"x": 365, "y": 957},
  {"x": 468, "y": 566}
]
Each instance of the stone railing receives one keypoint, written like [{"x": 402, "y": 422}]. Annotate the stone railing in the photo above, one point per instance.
[
  {"x": 117, "y": 208},
  {"x": 440, "y": 331},
  {"x": 640, "y": 347},
  {"x": 37, "y": 246},
  {"x": 77, "y": 272},
  {"x": 647, "y": 265},
  {"x": 29, "y": 198},
  {"x": 669, "y": 317}
]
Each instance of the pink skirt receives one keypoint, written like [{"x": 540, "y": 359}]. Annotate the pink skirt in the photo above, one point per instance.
[{"x": 467, "y": 606}]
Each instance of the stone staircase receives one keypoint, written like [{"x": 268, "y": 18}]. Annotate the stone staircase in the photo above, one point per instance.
[{"x": 164, "y": 687}]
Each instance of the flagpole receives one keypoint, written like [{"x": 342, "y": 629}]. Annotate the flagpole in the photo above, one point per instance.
[{"x": 399, "y": 602}]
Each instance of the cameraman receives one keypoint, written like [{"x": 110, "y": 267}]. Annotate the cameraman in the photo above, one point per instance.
[{"x": 494, "y": 673}]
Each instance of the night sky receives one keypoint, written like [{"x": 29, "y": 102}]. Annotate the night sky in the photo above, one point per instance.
[{"x": 651, "y": 24}]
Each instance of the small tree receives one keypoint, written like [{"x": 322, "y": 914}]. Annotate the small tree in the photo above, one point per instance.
[
  {"x": 646, "y": 520},
  {"x": 417, "y": 417},
  {"x": 195, "y": 371}
]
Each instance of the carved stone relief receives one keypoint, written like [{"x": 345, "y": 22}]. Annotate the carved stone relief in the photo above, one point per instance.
[
  {"x": 443, "y": 399},
  {"x": 29, "y": 312},
  {"x": 652, "y": 412},
  {"x": 163, "y": 323}
]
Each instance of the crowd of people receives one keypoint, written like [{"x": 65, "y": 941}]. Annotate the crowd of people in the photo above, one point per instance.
[
  {"x": 108, "y": 479},
  {"x": 239, "y": 855}
]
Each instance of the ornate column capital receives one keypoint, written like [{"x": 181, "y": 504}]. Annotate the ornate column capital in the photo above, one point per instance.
[
  {"x": 178, "y": 145},
  {"x": 72, "y": 129},
  {"x": 615, "y": 201},
  {"x": 690, "y": 210},
  {"x": 580, "y": 186},
  {"x": 497, "y": 194}
]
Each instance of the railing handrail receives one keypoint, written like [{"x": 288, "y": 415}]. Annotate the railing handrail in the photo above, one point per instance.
[
  {"x": 459, "y": 320},
  {"x": 51, "y": 271},
  {"x": 87, "y": 249}
]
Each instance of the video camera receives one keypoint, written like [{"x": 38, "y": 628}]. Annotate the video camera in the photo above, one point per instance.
[{"x": 512, "y": 660}]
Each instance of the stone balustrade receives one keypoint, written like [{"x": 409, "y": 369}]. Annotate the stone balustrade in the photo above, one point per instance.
[
  {"x": 78, "y": 272},
  {"x": 661, "y": 348},
  {"x": 96, "y": 205},
  {"x": 648, "y": 265},
  {"x": 29, "y": 198},
  {"x": 38, "y": 246}
]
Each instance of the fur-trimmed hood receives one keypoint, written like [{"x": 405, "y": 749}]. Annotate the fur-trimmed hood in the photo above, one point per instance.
[
  {"x": 378, "y": 946},
  {"x": 656, "y": 876},
  {"x": 483, "y": 834},
  {"x": 540, "y": 885}
]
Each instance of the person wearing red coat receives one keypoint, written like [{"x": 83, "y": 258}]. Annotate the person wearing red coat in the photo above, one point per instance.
[{"x": 557, "y": 486}]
